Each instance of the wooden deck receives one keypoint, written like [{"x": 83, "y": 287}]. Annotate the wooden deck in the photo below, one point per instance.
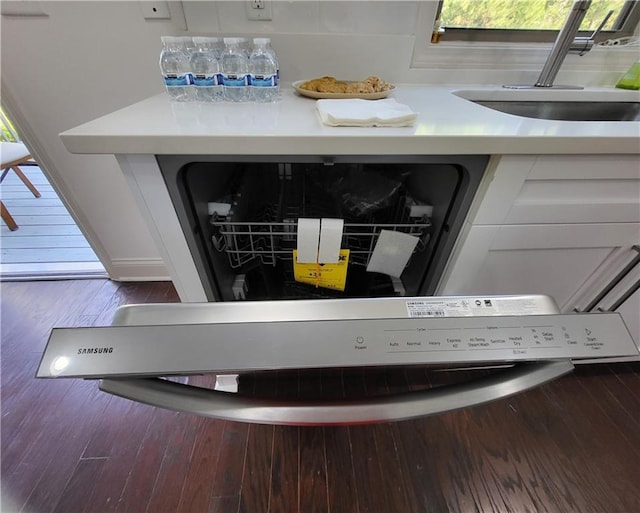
[
  {"x": 47, "y": 244},
  {"x": 571, "y": 446}
]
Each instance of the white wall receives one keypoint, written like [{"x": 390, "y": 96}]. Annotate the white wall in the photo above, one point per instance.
[{"x": 86, "y": 59}]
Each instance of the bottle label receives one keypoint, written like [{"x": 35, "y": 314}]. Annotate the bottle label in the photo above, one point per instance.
[
  {"x": 201, "y": 80},
  {"x": 234, "y": 80},
  {"x": 173, "y": 80},
  {"x": 264, "y": 80}
]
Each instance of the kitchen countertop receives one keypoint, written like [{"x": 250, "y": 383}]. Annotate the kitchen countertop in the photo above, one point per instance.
[{"x": 446, "y": 124}]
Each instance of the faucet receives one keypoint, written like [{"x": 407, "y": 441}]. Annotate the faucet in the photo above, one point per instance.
[{"x": 566, "y": 43}]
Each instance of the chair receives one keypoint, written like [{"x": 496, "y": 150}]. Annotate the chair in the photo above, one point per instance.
[{"x": 12, "y": 155}]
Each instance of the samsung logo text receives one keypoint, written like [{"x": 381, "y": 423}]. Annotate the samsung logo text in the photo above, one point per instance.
[{"x": 95, "y": 350}]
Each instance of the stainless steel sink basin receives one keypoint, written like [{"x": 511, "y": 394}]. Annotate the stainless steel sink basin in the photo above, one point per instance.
[{"x": 568, "y": 110}]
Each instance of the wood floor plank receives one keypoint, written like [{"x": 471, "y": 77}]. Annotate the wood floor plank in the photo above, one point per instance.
[
  {"x": 37, "y": 210},
  {"x": 626, "y": 415},
  {"x": 257, "y": 474},
  {"x": 58, "y": 465},
  {"x": 630, "y": 377},
  {"x": 615, "y": 455},
  {"x": 226, "y": 504},
  {"x": 24, "y": 194},
  {"x": 144, "y": 472},
  {"x": 15, "y": 256},
  {"x": 341, "y": 476},
  {"x": 313, "y": 470},
  {"x": 56, "y": 219},
  {"x": 172, "y": 475},
  {"x": 80, "y": 485},
  {"x": 198, "y": 491},
  {"x": 391, "y": 470},
  {"x": 52, "y": 271},
  {"x": 372, "y": 487},
  {"x": 60, "y": 230},
  {"x": 233, "y": 450},
  {"x": 122, "y": 454},
  {"x": 108, "y": 432},
  {"x": 538, "y": 422},
  {"x": 285, "y": 470},
  {"x": 13, "y": 203},
  {"x": 45, "y": 241},
  {"x": 418, "y": 458}
]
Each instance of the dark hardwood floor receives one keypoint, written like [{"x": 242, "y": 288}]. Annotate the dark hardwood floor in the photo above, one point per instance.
[{"x": 570, "y": 446}]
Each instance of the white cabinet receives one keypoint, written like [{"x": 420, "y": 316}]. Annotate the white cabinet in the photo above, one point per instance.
[
  {"x": 565, "y": 226},
  {"x": 537, "y": 259},
  {"x": 530, "y": 189}
]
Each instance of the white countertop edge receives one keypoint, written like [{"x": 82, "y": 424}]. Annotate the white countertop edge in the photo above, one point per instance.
[
  {"x": 449, "y": 145},
  {"x": 447, "y": 124}
]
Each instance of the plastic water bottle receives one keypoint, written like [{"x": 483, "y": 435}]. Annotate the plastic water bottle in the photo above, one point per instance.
[
  {"x": 176, "y": 73},
  {"x": 245, "y": 45},
  {"x": 217, "y": 45},
  {"x": 205, "y": 70},
  {"x": 275, "y": 59},
  {"x": 263, "y": 68},
  {"x": 235, "y": 71},
  {"x": 188, "y": 45}
]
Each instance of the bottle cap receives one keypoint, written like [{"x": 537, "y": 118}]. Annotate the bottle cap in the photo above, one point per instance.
[
  {"x": 168, "y": 39},
  {"x": 261, "y": 40},
  {"x": 232, "y": 40}
]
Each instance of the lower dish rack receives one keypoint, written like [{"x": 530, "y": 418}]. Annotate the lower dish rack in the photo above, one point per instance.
[
  {"x": 263, "y": 225},
  {"x": 269, "y": 241}
]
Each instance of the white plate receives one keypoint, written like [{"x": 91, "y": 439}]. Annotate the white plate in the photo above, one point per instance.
[{"x": 337, "y": 96}]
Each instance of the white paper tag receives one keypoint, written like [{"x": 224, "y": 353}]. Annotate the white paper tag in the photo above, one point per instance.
[
  {"x": 308, "y": 237},
  {"x": 330, "y": 240},
  {"x": 392, "y": 252}
]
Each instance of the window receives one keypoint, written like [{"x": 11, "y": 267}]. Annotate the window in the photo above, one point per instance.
[
  {"x": 516, "y": 55},
  {"x": 531, "y": 20}
]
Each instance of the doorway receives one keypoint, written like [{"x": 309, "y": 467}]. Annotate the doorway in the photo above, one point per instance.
[{"x": 46, "y": 243}]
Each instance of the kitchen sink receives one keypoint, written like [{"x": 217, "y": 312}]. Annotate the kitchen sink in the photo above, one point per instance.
[
  {"x": 560, "y": 105},
  {"x": 568, "y": 111}
]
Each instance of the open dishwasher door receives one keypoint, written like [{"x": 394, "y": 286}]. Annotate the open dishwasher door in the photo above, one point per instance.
[{"x": 524, "y": 336}]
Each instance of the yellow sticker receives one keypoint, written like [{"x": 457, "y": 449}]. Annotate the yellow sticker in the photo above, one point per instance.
[{"x": 328, "y": 276}]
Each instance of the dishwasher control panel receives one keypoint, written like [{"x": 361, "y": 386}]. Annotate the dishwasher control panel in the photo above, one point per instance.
[{"x": 175, "y": 349}]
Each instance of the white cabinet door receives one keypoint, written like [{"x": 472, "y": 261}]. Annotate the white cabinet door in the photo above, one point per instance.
[
  {"x": 535, "y": 259},
  {"x": 529, "y": 189}
]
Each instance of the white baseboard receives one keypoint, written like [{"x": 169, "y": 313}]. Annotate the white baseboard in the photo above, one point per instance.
[{"x": 138, "y": 269}]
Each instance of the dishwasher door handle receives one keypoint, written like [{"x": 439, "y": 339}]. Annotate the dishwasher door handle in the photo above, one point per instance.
[{"x": 237, "y": 407}]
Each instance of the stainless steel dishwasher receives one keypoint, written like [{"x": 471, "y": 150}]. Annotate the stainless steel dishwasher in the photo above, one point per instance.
[
  {"x": 162, "y": 354},
  {"x": 239, "y": 216}
]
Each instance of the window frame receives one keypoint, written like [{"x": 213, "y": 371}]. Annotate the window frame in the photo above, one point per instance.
[
  {"x": 626, "y": 23},
  {"x": 470, "y": 61}
]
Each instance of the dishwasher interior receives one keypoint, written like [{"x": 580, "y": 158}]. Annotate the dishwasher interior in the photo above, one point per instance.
[{"x": 240, "y": 218}]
